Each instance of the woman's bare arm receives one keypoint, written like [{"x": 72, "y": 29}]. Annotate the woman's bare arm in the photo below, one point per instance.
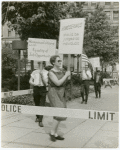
[{"x": 55, "y": 80}]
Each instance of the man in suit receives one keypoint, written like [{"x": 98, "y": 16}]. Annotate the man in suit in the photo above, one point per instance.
[
  {"x": 98, "y": 81},
  {"x": 86, "y": 77}
]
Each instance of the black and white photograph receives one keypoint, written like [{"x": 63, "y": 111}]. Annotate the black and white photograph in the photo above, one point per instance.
[{"x": 60, "y": 74}]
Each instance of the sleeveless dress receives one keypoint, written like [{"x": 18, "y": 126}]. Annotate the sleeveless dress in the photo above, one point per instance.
[{"x": 56, "y": 94}]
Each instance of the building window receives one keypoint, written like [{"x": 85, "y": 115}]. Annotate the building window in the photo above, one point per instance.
[
  {"x": 107, "y": 3},
  {"x": 116, "y": 4},
  {"x": 115, "y": 15},
  {"x": 93, "y": 4},
  {"x": 86, "y": 4},
  {"x": 9, "y": 33},
  {"x": 108, "y": 14}
]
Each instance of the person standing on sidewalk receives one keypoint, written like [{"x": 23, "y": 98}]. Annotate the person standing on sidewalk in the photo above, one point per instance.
[
  {"x": 57, "y": 78},
  {"x": 97, "y": 83},
  {"x": 86, "y": 77},
  {"x": 39, "y": 91}
]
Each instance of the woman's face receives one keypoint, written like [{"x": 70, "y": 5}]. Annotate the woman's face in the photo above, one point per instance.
[{"x": 58, "y": 62}]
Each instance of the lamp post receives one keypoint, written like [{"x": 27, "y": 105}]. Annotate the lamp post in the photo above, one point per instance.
[
  {"x": 19, "y": 45},
  {"x": 25, "y": 56}
]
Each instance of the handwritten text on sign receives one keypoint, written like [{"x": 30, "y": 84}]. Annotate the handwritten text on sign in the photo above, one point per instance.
[
  {"x": 41, "y": 49},
  {"x": 62, "y": 112},
  {"x": 71, "y": 36}
]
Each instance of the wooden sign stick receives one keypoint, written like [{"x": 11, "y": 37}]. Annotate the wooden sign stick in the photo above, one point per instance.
[
  {"x": 68, "y": 69},
  {"x": 81, "y": 65}
]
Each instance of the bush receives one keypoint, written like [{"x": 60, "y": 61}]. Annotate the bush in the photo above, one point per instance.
[
  {"x": 7, "y": 73},
  {"x": 28, "y": 98},
  {"x": 21, "y": 99},
  {"x": 76, "y": 80},
  {"x": 106, "y": 75},
  {"x": 11, "y": 84},
  {"x": 76, "y": 91}
]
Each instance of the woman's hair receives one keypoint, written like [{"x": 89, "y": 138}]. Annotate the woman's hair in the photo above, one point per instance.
[
  {"x": 48, "y": 68},
  {"x": 53, "y": 58}
]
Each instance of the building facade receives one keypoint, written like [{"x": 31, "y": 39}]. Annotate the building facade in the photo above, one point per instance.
[{"x": 112, "y": 11}]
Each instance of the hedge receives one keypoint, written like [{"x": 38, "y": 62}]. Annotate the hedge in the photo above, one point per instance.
[{"x": 28, "y": 98}]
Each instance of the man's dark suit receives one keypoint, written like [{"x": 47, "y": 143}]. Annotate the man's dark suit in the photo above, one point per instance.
[{"x": 98, "y": 81}]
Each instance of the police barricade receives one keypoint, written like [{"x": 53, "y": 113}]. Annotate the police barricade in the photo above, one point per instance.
[
  {"x": 62, "y": 112},
  {"x": 16, "y": 93}
]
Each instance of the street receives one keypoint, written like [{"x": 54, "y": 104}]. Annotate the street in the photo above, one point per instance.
[{"x": 21, "y": 131}]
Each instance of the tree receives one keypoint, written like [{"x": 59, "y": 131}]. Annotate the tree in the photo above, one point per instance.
[
  {"x": 9, "y": 57},
  {"x": 38, "y": 19},
  {"x": 9, "y": 64},
  {"x": 98, "y": 40},
  {"x": 41, "y": 20},
  {"x": 9, "y": 70}
]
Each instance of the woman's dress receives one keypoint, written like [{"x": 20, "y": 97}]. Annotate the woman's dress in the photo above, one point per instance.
[{"x": 56, "y": 94}]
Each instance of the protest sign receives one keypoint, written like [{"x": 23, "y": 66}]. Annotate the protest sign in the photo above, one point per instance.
[
  {"x": 71, "y": 36},
  {"x": 41, "y": 49},
  {"x": 95, "y": 62}
]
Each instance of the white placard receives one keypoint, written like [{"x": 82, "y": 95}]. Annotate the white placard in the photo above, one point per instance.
[
  {"x": 41, "y": 49},
  {"x": 95, "y": 62},
  {"x": 71, "y": 36}
]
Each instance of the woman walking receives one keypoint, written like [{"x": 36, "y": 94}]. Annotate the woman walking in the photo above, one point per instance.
[{"x": 57, "y": 78}]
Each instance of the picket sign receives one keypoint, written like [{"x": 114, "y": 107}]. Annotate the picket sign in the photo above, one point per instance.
[
  {"x": 61, "y": 112},
  {"x": 41, "y": 49},
  {"x": 71, "y": 36}
]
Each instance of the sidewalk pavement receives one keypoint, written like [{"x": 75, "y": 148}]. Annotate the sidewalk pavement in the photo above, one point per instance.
[{"x": 21, "y": 131}]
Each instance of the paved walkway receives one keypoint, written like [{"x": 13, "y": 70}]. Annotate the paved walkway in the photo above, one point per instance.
[{"x": 21, "y": 131}]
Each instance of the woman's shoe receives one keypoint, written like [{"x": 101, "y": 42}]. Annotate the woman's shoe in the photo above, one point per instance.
[
  {"x": 59, "y": 138},
  {"x": 52, "y": 137}
]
